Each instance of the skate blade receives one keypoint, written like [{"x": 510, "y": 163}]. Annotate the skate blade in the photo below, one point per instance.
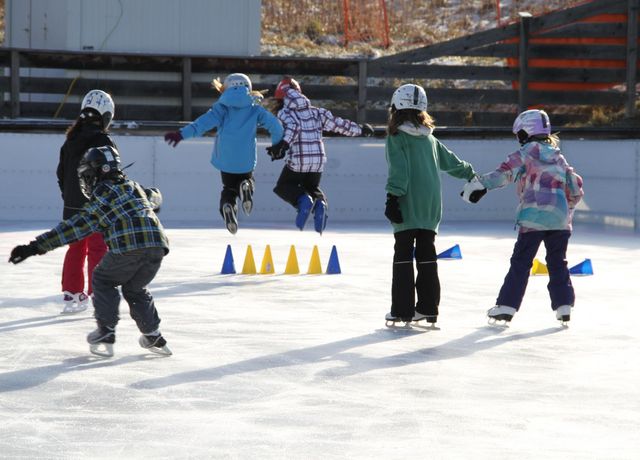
[
  {"x": 498, "y": 322},
  {"x": 164, "y": 351},
  {"x": 102, "y": 349},
  {"x": 394, "y": 324},
  {"x": 73, "y": 310},
  {"x": 426, "y": 325},
  {"x": 247, "y": 206}
]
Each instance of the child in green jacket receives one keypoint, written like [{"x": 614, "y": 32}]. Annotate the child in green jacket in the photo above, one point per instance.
[{"x": 414, "y": 203}]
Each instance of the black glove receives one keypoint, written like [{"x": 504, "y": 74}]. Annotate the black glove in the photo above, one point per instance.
[
  {"x": 392, "y": 209},
  {"x": 278, "y": 151},
  {"x": 477, "y": 194},
  {"x": 367, "y": 130},
  {"x": 22, "y": 252},
  {"x": 473, "y": 191},
  {"x": 173, "y": 138}
]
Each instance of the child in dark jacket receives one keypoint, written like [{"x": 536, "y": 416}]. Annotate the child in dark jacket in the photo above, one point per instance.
[
  {"x": 548, "y": 190},
  {"x": 89, "y": 130},
  {"x": 236, "y": 115},
  {"x": 123, "y": 212},
  {"x": 299, "y": 182}
]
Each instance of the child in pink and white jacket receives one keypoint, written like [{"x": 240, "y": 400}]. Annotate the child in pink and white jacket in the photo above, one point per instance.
[
  {"x": 549, "y": 190},
  {"x": 299, "y": 182}
]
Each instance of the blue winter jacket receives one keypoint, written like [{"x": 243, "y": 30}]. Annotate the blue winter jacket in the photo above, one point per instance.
[{"x": 236, "y": 115}]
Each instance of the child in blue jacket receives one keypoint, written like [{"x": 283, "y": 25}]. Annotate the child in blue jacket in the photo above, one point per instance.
[{"x": 236, "y": 115}]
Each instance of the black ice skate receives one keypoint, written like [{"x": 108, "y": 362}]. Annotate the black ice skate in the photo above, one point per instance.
[
  {"x": 230, "y": 215},
  {"x": 500, "y": 315},
  {"x": 563, "y": 314},
  {"x": 246, "y": 195},
  {"x": 101, "y": 341},
  {"x": 155, "y": 342}
]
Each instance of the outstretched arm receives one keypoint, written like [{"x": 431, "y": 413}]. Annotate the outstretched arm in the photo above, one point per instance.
[{"x": 339, "y": 125}]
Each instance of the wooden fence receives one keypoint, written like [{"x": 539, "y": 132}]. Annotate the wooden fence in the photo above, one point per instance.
[{"x": 573, "y": 62}]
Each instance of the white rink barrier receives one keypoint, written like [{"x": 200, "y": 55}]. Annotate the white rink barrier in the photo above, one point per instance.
[{"x": 353, "y": 180}]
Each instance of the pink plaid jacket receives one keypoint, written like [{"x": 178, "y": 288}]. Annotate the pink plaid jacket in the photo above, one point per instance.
[{"x": 303, "y": 127}]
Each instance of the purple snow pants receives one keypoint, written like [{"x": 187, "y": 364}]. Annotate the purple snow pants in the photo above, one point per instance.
[{"x": 526, "y": 247}]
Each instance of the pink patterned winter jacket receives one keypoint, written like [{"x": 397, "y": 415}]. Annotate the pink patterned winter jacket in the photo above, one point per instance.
[{"x": 546, "y": 185}]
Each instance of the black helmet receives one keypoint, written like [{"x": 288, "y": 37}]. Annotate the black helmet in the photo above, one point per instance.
[{"x": 98, "y": 164}]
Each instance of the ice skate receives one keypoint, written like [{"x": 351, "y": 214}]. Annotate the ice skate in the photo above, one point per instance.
[
  {"x": 101, "y": 341},
  {"x": 304, "y": 210},
  {"x": 431, "y": 319},
  {"x": 230, "y": 214},
  {"x": 246, "y": 195},
  {"x": 500, "y": 315},
  {"x": 74, "y": 303},
  {"x": 563, "y": 314},
  {"x": 392, "y": 321},
  {"x": 155, "y": 342},
  {"x": 320, "y": 215}
]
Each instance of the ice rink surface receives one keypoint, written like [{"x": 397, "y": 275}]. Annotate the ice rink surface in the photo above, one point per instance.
[{"x": 302, "y": 366}]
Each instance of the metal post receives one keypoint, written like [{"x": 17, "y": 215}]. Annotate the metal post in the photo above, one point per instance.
[
  {"x": 523, "y": 52},
  {"x": 632, "y": 57},
  {"x": 186, "y": 88},
  {"x": 361, "y": 115},
  {"x": 15, "y": 84}
]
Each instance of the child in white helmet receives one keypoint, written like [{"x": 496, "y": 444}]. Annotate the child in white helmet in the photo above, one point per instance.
[
  {"x": 414, "y": 203},
  {"x": 236, "y": 114},
  {"x": 548, "y": 190},
  {"x": 90, "y": 129}
]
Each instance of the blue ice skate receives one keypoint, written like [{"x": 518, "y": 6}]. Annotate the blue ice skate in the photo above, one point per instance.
[
  {"x": 304, "y": 209},
  {"x": 320, "y": 215}
]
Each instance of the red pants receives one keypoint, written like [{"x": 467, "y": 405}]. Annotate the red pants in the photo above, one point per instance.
[{"x": 92, "y": 248}]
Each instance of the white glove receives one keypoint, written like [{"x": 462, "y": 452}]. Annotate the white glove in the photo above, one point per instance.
[
  {"x": 155, "y": 198},
  {"x": 473, "y": 191}
]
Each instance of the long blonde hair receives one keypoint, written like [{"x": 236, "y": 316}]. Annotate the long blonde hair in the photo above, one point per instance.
[{"x": 416, "y": 117}]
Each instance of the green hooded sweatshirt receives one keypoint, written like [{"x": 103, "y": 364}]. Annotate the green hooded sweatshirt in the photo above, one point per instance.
[{"x": 415, "y": 158}]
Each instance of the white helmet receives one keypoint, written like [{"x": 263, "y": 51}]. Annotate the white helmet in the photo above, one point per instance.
[
  {"x": 531, "y": 123},
  {"x": 409, "y": 97},
  {"x": 237, "y": 79},
  {"x": 102, "y": 103}
]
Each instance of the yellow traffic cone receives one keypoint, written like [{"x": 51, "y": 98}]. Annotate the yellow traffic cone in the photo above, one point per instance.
[
  {"x": 292, "y": 263},
  {"x": 267, "y": 262},
  {"x": 539, "y": 268},
  {"x": 315, "y": 268},
  {"x": 249, "y": 267}
]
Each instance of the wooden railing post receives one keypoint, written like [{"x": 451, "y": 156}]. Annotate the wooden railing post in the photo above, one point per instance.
[
  {"x": 186, "y": 88},
  {"x": 15, "y": 84},
  {"x": 361, "y": 115},
  {"x": 523, "y": 52},
  {"x": 632, "y": 57}
]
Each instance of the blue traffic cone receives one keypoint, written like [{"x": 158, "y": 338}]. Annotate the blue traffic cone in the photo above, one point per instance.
[
  {"x": 333, "y": 267},
  {"x": 451, "y": 253},
  {"x": 583, "y": 268},
  {"x": 228, "y": 267}
]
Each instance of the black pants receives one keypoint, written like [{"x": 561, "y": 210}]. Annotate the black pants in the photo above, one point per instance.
[
  {"x": 231, "y": 187},
  {"x": 133, "y": 270},
  {"x": 404, "y": 286},
  {"x": 291, "y": 185}
]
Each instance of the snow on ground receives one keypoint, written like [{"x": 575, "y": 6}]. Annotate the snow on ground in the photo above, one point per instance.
[{"x": 302, "y": 366}]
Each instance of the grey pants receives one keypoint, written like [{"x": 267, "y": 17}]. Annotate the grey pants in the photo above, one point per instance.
[{"x": 133, "y": 270}]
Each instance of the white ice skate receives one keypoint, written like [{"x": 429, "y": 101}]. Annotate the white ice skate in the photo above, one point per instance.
[
  {"x": 155, "y": 342},
  {"x": 563, "y": 314},
  {"x": 229, "y": 212},
  {"x": 74, "y": 303},
  {"x": 246, "y": 196},
  {"x": 431, "y": 319},
  {"x": 500, "y": 315},
  {"x": 392, "y": 321},
  {"x": 101, "y": 341}
]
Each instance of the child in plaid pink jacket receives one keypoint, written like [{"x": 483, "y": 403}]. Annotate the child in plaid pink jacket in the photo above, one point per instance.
[{"x": 299, "y": 182}]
